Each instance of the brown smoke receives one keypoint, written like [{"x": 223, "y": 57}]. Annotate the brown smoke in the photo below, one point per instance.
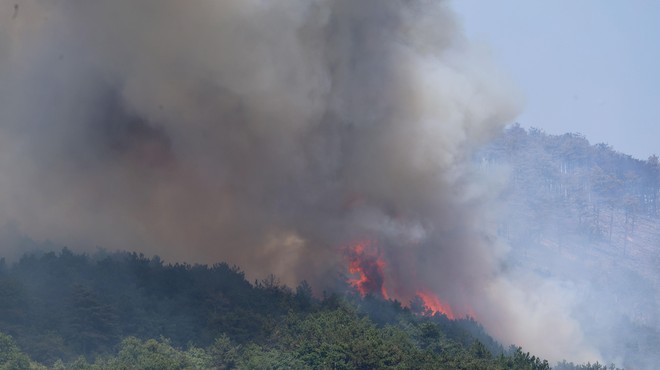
[{"x": 264, "y": 133}]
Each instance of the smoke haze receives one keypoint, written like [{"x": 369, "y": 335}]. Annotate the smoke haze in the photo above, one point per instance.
[{"x": 270, "y": 135}]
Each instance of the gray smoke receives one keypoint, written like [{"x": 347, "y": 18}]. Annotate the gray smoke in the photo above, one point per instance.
[{"x": 270, "y": 134}]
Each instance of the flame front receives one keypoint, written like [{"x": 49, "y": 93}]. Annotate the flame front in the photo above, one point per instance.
[
  {"x": 368, "y": 267},
  {"x": 433, "y": 303},
  {"x": 365, "y": 261}
]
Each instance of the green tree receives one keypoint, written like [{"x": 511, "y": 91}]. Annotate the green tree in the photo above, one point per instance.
[
  {"x": 224, "y": 354},
  {"x": 154, "y": 354},
  {"x": 11, "y": 358},
  {"x": 13, "y": 304},
  {"x": 93, "y": 323}
]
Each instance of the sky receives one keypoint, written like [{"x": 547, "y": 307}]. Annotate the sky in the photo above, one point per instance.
[{"x": 587, "y": 66}]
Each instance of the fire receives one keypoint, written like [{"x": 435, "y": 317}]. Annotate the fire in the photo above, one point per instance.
[
  {"x": 433, "y": 303},
  {"x": 365, "y": 261},
  {"x": 367, "y": 265}
]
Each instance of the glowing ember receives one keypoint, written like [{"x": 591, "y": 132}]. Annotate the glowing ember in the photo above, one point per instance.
[
  {"x": 433, "y": 303},
  {"x": 365, "y": 261}
]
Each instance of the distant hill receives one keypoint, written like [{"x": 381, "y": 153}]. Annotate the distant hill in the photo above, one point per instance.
[{"x": 588, "y": 216}]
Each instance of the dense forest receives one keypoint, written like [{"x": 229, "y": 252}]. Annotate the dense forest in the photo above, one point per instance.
[{"x": 122, "y": 310}]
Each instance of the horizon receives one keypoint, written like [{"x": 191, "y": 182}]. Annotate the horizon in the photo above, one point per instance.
[{"x": 587, "y": 67}]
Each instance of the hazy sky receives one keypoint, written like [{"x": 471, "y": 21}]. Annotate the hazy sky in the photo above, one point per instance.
[{"x": 587, "y": 66}]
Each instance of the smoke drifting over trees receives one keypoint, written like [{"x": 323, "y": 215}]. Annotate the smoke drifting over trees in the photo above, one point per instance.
[
  {"x": 244, "y": 130},
  {"x": 270, "y": 135}
]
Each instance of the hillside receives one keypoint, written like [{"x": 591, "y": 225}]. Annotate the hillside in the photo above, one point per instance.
[
  {"x": 579, "y": 215},
  {"x": 123, "y": 310},
  {"x": 587, "y": 217}
]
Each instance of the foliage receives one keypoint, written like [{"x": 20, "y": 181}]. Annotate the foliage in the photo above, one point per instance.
[
  {"x": 566, "y": 167},
  {"x": 105, "y": 311},
  {"x": 11, "y": 358}
]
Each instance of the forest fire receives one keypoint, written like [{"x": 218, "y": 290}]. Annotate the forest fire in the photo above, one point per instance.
[
  {"x": 433, "y": 303},
  {"x": 366, "y": 262}
]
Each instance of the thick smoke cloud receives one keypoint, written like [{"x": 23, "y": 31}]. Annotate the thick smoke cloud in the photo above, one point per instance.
[{"x": 270, "y": 134}]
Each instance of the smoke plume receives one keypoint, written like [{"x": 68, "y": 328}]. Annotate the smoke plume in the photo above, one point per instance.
[{"x": 270, "y": 134}]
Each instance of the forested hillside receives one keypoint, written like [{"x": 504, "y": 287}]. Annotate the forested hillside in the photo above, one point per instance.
[
  {"x": 602, "y": 194},
  {"x": 123, "y": 310},
  {"x": 587, "y": 217},
  {"x": 573, "y": 213}
]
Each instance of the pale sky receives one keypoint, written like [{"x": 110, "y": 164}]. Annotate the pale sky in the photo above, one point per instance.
[{"x": 587, "y": 66}]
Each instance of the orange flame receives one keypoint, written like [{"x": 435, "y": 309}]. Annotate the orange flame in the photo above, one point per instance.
[
  {"x": 365, "y": 261},
  {"x": 433, "y": 303}
]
